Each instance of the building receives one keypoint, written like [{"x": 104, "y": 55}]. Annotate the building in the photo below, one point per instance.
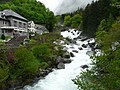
[
  {"x": 31, "y": 27},
  {"x": 40, "y": 29},
  {"x": 12, "y": 23},
  {"x": 36, "y": 28}
]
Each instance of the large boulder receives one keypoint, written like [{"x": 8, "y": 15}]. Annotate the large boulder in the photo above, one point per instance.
[
  {"x": 80, "y": 48},
  {"x": 75, "y": 51},
  {"x": 84, "y": 66},
  {"x": 67, "y": 61},
  {"x": 84, "y": 46},
  {"x": 90, "y": 53},
  {"x": 61, "y": 66},
  {"x": 59, "y": 59},
  {"x": 66, "y": 55},
  {"x": 72, "y": 55}
]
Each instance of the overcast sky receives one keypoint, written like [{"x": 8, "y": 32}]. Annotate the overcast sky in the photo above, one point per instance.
[{"x": 64, "y": 6}]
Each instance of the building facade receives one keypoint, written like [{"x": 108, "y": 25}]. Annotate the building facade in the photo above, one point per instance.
[{"x": 12, "y": 23}]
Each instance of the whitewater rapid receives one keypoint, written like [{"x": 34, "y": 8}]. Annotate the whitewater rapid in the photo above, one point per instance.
[{"x": 61, "y": 79}]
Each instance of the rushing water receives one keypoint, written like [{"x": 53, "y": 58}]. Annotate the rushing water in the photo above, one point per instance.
[{"x": 62, "y": 79}]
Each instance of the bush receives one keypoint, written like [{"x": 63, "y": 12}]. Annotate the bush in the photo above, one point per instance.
[
  {"x": 4, "y": 73},
  {"x": 42, "y": 52},
  {"x": 3, "y": 37},
  {"x": 25, "y": 63}
]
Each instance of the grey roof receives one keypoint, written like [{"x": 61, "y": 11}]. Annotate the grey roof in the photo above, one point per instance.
[
  {"x": 37, "y": 26},
  {"x": 8, "y": 12}
]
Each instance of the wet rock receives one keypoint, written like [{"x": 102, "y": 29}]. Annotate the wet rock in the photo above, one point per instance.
[
  {"x": 71, "y": 54},
  {"x": 75, "y": 51},
  {"x": 91, "y": 44},
  {"x": 84, "y": 46},
  {"x": 84, "y": 66},
  {"x": 61, "y": 66},
  {"x": 66, "y": 55},
  {"x": 84, "y": 38},
  {"x": 80, "y": 48},
  {"x": 72, "y": 47},
  {"x": 78, "y": 33},
  {"x": 59, "y": 59},
  {"x": 75, "y": 30},
  {"x": 90, "y": 53},
  {"x": 67, "y": 61}
]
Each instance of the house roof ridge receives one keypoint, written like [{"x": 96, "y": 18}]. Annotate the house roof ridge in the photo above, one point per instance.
[{"x": 9, "y": 12}]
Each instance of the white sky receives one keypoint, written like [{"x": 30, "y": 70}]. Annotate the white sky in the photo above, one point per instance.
[
  {"x": 65, "y": 6},
  {"x": 51, "y": 4}
]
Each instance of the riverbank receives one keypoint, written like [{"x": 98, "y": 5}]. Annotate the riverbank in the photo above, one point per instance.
[{"x": 61, "y": 79}]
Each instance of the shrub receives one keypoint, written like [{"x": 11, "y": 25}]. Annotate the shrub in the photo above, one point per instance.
[
  {"x": 42, "y": 52},
  {"x": 3, "y": 37},
  {"x": 25, "y": 63}
]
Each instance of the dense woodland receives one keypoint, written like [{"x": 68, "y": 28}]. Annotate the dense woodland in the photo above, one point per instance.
[{"x": 104, "y": 22}]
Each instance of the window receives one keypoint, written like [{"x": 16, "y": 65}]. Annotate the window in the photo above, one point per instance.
[
  {"x": 2, "y": 31},
  {"x": 20, "y": 24},
  {"x": 24, "y": 25},
  {"x": 15, "y": 23}
]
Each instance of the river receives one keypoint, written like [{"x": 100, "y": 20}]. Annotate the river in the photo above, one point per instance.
[{"x": 61, "y": 79}]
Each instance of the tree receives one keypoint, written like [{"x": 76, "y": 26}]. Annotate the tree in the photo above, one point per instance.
[
  {"x": 67, "y": 21},
  {"x": 94, "y": 14},
  {"x": 104, "y": 75},
  {"x": 76, "y": 20}
]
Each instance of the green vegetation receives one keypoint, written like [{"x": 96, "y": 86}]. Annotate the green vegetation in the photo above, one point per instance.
[
  {"x": 105, "y": 74},
  {"x": 32, "y": 10},
  {"x": 3, "y": 37},
  {"x": 74, "y": 21},
  {"x": 22, "y": 64},
  {"x": 94, "y": 14}
]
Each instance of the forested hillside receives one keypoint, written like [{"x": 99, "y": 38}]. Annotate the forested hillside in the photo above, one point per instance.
[
  {"x": 2, "y": 1},
  {"x": 105, "y": 73},
  {"x": 32, "y": 10}
]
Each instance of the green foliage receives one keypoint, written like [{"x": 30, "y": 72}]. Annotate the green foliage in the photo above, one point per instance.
[
  {"x": 74, "y": 21},
  {"x": 42, "y": 52},
  {"x": 4, "y": 73},
  {"x": 32, "y": 10},
  {"x": 88, "y": 81},
  {"x": 67, "y": 20},
  {"x": 3, "y": 37},
  {"x": 94, "y": 14},
  {"x": 25, "y": 64},
  {"x": 44, "y": 65},
  {"x": 105, "y": 74}
]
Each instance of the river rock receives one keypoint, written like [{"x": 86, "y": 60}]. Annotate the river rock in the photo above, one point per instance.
[
  {"x": 72, "y": 47},
  {"x": 84, "y": 66},
  {"x": 91, "y": 44},
  {"x": 80, "y": 48},
  {"x": 61, "y": 66},
  {"x": 66, "y": 55},
  {"x": 75, "y": 51},
  {"x": 71, "y": 54},
  {"x": 84, "y": 46},
  {"x": 67, "y": 61},
  {"x": 90, "y": 53},
  {"x": 84, "y": 38},
  {"x": 59, "y": 59}
]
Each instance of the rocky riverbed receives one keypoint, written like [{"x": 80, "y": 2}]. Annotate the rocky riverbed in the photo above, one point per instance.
[{"x": 79, "y": 49}]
